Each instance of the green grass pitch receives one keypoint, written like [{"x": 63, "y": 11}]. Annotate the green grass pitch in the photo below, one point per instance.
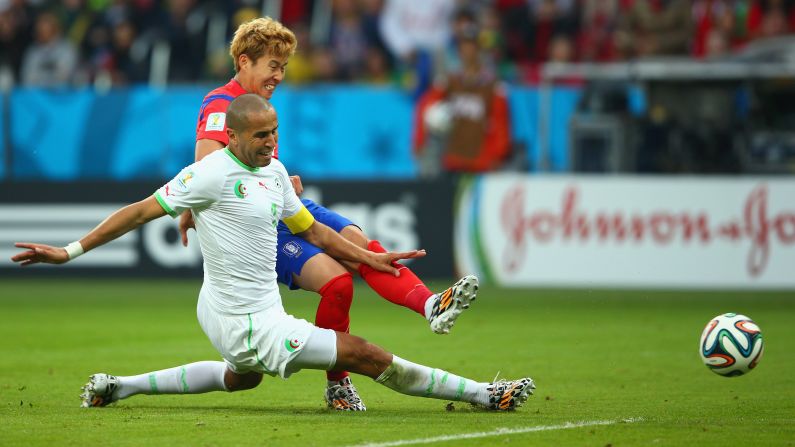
[{"x": 628, "y": 358}]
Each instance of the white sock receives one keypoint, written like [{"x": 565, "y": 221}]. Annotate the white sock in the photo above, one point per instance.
[
  {"x": 193, "y": 378},
  {"x": 429, "y": 306},
  {"x": 418, "y": 380}
]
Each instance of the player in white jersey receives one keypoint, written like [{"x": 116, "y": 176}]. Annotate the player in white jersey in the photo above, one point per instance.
[
  {"x": 238, "y": 195},
  {"x": 227, "y": 194}
]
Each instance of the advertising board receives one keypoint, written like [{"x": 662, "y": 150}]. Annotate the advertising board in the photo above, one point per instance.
[{"x": 626, "y": 231}]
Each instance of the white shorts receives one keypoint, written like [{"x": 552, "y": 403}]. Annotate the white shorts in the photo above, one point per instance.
[{"x": 266, "y": 341}]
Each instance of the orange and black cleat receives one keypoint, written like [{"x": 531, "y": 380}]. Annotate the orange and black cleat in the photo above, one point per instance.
[
  {"x": 343, "y": 396},
  {"x": 448, "y": 305},
  {"x": 507, "y": 395}
]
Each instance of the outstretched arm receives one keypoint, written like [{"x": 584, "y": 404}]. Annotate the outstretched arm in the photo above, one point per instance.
[
  {"x": 338, "y": 247},
  {"x": 120, "y": 222}
]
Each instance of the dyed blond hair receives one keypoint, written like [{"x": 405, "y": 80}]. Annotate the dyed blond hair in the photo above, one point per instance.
[{"x": 261, "y": 36}]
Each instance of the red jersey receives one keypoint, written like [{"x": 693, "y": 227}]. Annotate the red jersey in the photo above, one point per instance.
[{"x": 212, "y": 115}]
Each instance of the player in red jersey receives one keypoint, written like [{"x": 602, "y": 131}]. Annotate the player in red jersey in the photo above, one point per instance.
[{"x": 261, "y": 49}]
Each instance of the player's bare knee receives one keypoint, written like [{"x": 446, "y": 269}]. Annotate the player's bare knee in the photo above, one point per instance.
[
  {"x": 355, "y": 235},
  {"x": 240, "y": 382},
  {"x": 249, "y": 382}
]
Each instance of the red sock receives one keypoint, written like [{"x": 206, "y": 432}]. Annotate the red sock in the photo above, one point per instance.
[
  {"x": 333, "y": 311},
  {"x": 405, "y": 290}
]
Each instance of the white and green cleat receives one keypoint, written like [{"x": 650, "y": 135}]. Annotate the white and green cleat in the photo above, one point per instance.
[{"x": 98, "y": 392}]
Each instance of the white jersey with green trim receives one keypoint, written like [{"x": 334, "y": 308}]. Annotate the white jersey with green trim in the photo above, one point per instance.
[{"x": 236, "y": 209}]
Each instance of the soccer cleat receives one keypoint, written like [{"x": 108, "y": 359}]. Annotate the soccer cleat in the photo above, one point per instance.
[
  {"x": 449, "y": 304},
  {"x": 342, "y": 396},
  {"x": 507, "y": 395},
  {"x": 98, "y": 392}
]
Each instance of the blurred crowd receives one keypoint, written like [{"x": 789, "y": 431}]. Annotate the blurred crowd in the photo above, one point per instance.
[{"x": 121, "y": 42}]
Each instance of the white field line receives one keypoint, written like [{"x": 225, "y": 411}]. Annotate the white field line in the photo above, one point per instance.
[{"x": 499, "y": 432}]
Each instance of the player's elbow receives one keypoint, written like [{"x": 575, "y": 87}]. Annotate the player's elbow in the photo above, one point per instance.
[{"x": 145, "y": 211}]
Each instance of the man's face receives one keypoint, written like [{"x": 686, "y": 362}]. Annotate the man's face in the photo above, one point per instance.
[
  {"x": 469, "y": 52},
  {"x": 261, "y": 76},
  {"x": 256, "y": 143}
]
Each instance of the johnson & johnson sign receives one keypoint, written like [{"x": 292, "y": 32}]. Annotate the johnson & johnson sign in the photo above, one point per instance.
[{"x": 631, "y": 230}]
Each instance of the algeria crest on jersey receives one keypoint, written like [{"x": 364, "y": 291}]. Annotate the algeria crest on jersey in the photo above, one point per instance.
[
  {"x": 240, "y": 189},
  {"x": 292, "y": 344}
]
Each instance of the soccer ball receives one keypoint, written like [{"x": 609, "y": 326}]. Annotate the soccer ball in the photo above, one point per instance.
[{"x": 731, "y": 345}]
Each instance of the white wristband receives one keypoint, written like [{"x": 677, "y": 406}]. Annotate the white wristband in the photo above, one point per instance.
[{"x": 74, "y": 249}]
